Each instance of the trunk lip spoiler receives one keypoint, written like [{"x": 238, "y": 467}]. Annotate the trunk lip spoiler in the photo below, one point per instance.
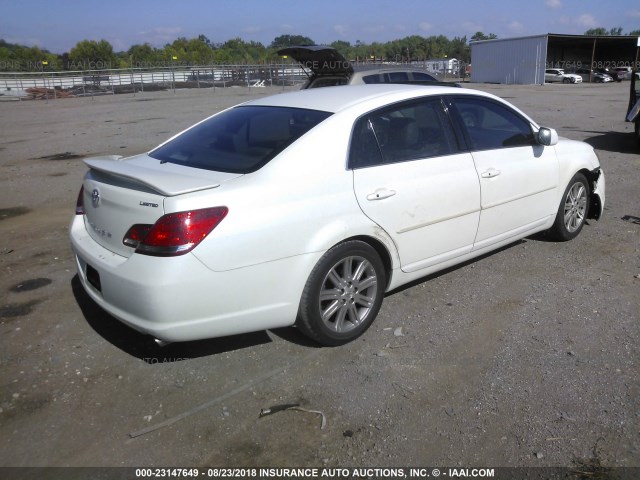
[{"x": 169, "y": 184}]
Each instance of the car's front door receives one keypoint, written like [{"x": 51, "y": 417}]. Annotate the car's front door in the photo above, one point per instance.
[
  {"x": 552, "y": 76},
  {"x": 518, "y": 177},
  {"x": 412, "y": 178}
]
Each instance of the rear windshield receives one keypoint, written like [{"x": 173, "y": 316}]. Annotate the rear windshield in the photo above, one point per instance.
[{"x": 240, "y": 140}]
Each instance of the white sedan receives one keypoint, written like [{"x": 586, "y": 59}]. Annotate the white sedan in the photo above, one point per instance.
[
  {"x": 558, "y": 75},
  {"x": 305, "y": 208}
]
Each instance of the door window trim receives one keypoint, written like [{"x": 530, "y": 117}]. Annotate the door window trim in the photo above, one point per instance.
[
  {"x": 455, "y": 140},
  {"x": 456, "y": 118}
]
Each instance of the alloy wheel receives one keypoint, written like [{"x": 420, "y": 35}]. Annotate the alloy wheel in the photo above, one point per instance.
[
  {"x": 575, "y": 207},
  {"x": 348, "y": 293}
]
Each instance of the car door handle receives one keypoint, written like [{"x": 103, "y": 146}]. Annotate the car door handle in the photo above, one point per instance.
[
  {"x": 381, "y": 194},
  {"x": 492, "y": 172}
]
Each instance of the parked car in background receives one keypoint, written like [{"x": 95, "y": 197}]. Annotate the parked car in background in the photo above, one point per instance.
[
  {"x": 305, "y": 208},
  {"x": 610, "y": 73},
  {"x": 329, "y": 68},
  {"x": 558, "y": 75},
  {"x": 593, "y": 75},
  {"x": 623, "y": 73},
  {"x": 601, "y": 77},
  {"x": 393, "y": 75}
]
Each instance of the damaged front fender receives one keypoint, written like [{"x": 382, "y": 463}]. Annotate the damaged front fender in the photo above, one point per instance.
[{"x": 597, "y": 186}]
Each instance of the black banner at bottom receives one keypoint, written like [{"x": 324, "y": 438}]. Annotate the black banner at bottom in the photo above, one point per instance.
[{"x": 373, "y": 473}]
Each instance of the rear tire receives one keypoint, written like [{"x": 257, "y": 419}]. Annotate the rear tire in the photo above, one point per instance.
[
  {"x": 343, "y": 294},
  {"x": 573, "y": 210}
]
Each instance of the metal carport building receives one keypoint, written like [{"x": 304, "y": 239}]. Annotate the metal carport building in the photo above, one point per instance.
[{"x": 523, "y": 60}]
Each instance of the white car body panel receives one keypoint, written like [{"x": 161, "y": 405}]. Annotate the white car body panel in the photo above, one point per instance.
[
  {"x": 248, "y": 274},
  {"x": 180, "y": 299},
  {"x": 518, "y": 188},
  {"x": 118, "y": 206},
  {"x": 574, "y": 156},
  {"x": 414, "y": 214}
]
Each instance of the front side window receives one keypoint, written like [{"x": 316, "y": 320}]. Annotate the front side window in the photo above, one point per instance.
[
  {"x": 409, "y": 131},
  {"x": 490, "y": 125},
  {"x": 240, "y": 140}
]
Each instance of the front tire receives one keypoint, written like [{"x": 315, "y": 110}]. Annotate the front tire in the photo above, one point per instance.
[
  {"x": 573, "y": 209},
  {"x": 566, "y": 80},
  {"x": 343, "y": 294}
]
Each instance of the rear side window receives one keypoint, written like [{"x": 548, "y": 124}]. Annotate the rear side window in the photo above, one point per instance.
[
  {"x": 409, "y": 131},
  {"x": 393, "y": 77},
  {"x": 320, "y": 82},
  {"x": 490, "y": 125},
  {"x": 398, "y": 77},
  {"x": 369, "y": 79},
  {"x": 423, "y": 77},
  {"x": 240, "y": 140}
]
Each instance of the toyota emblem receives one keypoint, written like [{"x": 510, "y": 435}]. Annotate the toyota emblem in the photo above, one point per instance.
[{"x": 95, "y": 197}]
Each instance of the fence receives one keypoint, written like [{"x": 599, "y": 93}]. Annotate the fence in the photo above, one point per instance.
[
  {"x": 51, "y": 85},
  {"x": 46, "y": 84}
]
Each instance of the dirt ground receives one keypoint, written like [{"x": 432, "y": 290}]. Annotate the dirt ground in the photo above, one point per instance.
[{"x": 525, "y": 357}]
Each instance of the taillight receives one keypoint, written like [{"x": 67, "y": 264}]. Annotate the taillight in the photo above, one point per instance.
[
  {"x": 136, "y": 234},
  {"x": 80, "y": 202},
  {"x": 174, "y": 233}
]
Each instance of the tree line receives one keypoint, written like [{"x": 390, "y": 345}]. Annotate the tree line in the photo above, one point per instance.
[
  {"x": 99, "y": 55},
  {"x": 600, "y": 31},
  {"x": 96, "y": 55}
]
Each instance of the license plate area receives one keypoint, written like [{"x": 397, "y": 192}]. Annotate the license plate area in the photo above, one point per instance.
[{"x": 93, "y": 277}]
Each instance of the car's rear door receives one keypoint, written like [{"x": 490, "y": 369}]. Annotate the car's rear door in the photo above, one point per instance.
[{"x": 412, "y": 178}]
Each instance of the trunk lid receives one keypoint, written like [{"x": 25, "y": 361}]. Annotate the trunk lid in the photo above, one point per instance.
[
  {"x": 119, "y": 193},
  {"x": 320, "y": 59}
]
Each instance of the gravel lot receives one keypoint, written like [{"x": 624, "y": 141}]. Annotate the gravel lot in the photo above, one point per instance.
[{"x": 525, "y": 357}]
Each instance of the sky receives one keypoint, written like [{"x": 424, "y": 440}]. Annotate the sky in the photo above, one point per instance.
[{"x": 58, "y": 25}]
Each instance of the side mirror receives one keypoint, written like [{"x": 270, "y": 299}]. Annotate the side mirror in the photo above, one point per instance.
[{"x": 547, "y": 136}]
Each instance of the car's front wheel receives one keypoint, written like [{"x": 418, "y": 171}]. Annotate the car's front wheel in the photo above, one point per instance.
[
  {"x": 343, "y": 294},
  {"x": 566, "y": 80},
  {"x": 573, "y": 209}
]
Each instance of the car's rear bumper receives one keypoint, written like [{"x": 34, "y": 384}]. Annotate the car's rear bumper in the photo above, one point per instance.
[{"x": 180, "y": 299}]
